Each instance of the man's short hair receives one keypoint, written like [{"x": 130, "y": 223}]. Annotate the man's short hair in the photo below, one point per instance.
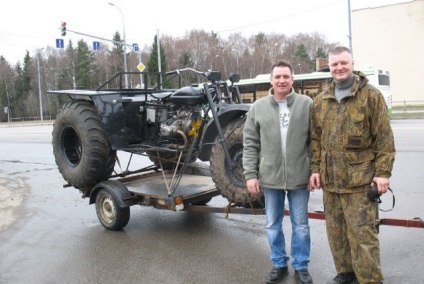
[
  {"x": 282, "y": 63},
  {"x": 338, "y": 49}
]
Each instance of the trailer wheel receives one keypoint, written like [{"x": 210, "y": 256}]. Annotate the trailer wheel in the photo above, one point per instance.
[
  {"x": 80, "y": 145},
  {"x": 228, "y": 179},
  {"x": 111, "y": 215}
]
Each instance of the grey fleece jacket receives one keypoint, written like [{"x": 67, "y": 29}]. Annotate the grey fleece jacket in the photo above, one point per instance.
[{"x": 262, "y": 154}]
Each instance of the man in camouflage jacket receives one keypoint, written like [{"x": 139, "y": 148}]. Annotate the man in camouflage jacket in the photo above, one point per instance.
[{"x": 352, "y": 150}]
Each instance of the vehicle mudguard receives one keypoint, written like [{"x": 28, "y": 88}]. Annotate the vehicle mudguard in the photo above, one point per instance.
[
  {"x": 228, "y": 113},
  {"x": 115, "y": 188}
]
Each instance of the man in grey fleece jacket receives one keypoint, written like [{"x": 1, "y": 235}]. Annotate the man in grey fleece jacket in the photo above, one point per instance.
[{"x": 276, "y": 158}]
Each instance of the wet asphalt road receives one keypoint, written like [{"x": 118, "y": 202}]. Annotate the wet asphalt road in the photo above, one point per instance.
[{"x": 49, "y": 234}]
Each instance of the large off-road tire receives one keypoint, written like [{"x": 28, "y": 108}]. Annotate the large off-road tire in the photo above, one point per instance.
[
  {"x": 80, "y": 145},
  {"x": 227, "y": 179}
]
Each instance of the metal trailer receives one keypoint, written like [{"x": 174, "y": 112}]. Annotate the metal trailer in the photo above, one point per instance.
[{"x": 113, "y": 198}]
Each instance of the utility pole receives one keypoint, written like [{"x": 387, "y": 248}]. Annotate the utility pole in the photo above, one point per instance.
[
  {"x": 350, "y": 26},
  {"x": 159, "y": 63},
  {"x": 141, "y": 75},
  {"x": 125, "y": 46},
  {"x": 8, "y": 103},
  {"x": 39, "y": 87}
]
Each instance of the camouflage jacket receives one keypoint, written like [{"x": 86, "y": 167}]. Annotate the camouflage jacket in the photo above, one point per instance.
[{"x": 352, "y": 141}]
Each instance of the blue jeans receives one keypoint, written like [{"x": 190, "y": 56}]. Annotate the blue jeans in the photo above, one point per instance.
[{"x": 300, "y": 240}]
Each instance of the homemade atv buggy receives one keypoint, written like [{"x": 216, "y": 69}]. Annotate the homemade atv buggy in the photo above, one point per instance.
[{"x": 174, "y": 128}]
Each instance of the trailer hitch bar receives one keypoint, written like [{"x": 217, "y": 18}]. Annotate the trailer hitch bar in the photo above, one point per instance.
[{"x": 410, "y": 223}]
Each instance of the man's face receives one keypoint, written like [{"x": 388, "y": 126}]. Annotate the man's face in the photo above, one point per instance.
[
  {"x": 281, "y": 80},
  {"x": 341, "y": 66}
]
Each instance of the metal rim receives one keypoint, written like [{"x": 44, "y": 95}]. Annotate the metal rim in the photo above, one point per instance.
[
  {"x": 71, "y": 146},
  {"x": 234, "y": 171},
  {"x": 107, "y": 209}
]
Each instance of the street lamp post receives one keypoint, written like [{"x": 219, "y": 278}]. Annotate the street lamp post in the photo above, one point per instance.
[
  {"x": 125, "y": 45},
  {"x": 8, "y": 104},
  {"x": 39, "y": 87},
  {"x": 297, "y": 66},
  {"x": 350, "y": 26},
  {"x": 216, "y": 56}
]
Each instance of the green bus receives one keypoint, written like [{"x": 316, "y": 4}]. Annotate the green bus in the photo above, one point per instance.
[{"x": 311, "y": 84}]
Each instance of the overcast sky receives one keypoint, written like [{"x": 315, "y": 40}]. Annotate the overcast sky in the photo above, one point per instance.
[{"x": 32, "y": 25}]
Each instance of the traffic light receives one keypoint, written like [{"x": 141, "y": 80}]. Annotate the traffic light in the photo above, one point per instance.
[{"x": 63, "y": 29}]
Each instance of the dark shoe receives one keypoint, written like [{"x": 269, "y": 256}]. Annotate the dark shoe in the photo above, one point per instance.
[
  {"x": 276, "y": 274},
  {"x": 344, "y": 278},
  {"x": 303, "y": 276}
]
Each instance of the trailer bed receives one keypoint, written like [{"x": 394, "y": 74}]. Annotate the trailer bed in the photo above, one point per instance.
[
  {"x": 153, "y": 188},
  {"x": 155, "y": 185}
]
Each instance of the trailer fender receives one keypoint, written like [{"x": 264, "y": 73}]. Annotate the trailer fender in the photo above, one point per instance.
[
  {"x": 117, "y": 189},
  {"x": 229, "y": 114}
]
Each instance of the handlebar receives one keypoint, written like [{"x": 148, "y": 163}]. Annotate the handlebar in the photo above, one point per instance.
[
  {"x": 211, "y": 75},
  {"x": 178, "y": 71},
  {"x": 215, "y": 78}
]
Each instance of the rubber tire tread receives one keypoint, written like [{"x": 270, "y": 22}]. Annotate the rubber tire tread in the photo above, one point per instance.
[
  {"x": 122, "y": 216},
  {"x": 97, "y": 158},
  {"x": 233, "y": 134}
]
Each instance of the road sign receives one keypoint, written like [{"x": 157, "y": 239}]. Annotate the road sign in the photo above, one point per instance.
[
  {"x": 141, "y": 67},
  {"x": 135, "y": 47},
  {"x": 59, "y": 43},
  {"x": 96, "y": 45}
]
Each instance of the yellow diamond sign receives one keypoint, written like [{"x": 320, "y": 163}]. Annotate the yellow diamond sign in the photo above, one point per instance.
[{"x": 141, "y": 67}]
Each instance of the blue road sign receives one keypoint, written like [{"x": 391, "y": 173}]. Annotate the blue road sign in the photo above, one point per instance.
[
  {"x": 135, "y": 47},
  {"x": 96, "y": 45},
  {"x": 59, "y": 43}
]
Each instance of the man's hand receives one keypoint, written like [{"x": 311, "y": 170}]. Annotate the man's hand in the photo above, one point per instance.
[
  {"x": 253, "y": 186},
  {"x": 381, "y": 183},
  {"x": 314, "y": 181}
]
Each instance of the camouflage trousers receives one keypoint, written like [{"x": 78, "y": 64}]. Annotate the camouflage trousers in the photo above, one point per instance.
[{"x": 352, "y": 235}]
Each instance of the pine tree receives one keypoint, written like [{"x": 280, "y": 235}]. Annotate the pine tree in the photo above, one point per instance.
[
  {"x": 305, "y": 62},
  {"x": 152, "y": 65},
  {"x": 84, "y": 76}
]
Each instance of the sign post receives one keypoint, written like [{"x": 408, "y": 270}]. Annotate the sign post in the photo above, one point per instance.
[{"x": 141, "y": 67}]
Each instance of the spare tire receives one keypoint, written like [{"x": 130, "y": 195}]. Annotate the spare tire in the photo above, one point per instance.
[
  {"x": 230, "y": 179},
  {"x": 80, "y": 145}
]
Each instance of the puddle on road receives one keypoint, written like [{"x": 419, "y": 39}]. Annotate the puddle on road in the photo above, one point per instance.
[{"x": 12, "y": 194}]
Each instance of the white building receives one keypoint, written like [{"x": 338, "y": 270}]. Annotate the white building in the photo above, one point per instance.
[{"x": 391, "y": 37}]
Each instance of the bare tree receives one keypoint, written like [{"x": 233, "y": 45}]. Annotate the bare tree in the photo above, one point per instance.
[{"x": 199, "y": 49}]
